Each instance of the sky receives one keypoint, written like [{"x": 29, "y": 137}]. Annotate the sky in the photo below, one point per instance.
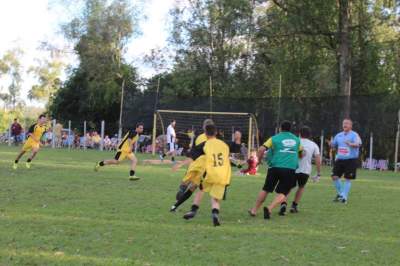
[{"x": 26, "y": 23}]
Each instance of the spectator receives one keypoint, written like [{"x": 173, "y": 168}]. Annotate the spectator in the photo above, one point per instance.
[
  {"x": 96, "y": 139},
  {"x": 58, "y": 135},
  {"x": 16, "y": 130},
  {"x": 48, "y": 137},
  {"x": 107, "y": 143},
  {"x": 252, "y": 163}
]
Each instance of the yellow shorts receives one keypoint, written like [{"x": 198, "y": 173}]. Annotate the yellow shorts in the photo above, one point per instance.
[
  {"x": 121, "y": 155},
  {"x": 30, "y": 144},
  {"x": 195, "y": 171},
  {"x": 216, "y": 191}
]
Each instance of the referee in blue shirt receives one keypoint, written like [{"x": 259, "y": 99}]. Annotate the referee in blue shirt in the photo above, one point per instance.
[{"x": 347, "y": 146}]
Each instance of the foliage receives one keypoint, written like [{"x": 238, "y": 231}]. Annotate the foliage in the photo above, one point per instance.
[{"x": 93, "y": 89}]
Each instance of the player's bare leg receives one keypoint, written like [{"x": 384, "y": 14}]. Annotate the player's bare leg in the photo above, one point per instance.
[
  {"x": 259, "y": 202},
  {"x": 34, "y": 152},
  {"x": 195, "y": 207},
  {"x": 15, "y": 165},
  {"x": 104, "y": 163},
  {"x": 297, "y": 198},
  {"x": 132, "y": 175},
  {"x": 277, "y": 201},
  {"x": 299, "y": 194},
  {"x": 215, "y": 211}
]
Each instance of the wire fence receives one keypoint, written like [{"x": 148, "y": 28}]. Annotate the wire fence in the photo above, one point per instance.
[{"x": 375, "y": 118}]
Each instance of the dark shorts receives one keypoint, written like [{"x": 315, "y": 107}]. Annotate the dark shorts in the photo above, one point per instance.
[
  {"x": 346, "y": 168},
  {"x": 117, "y": 156},
  {"x": 282, "y": 180},
  {"x": 301, "y": 179}
]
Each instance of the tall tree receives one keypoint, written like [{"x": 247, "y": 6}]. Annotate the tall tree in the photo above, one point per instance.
[
  {"x": 100, "y": 34},
  {"x": 10, "y": 66}
]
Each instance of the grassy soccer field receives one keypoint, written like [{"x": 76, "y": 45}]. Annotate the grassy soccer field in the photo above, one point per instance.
[{"x": 60, "y": 212}]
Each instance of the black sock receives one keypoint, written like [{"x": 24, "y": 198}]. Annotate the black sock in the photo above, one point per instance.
[
  {"x": 101, "y": 163},
  {"x": 215, "y": 211},
  {"x": 294, "y": 203},
  {"x": 16, "y": 161},
  {"x": 194, "y": 208},
  {"x": 29, "y": 160},
  {"x": 132, "y": 173},
  {"x": 164, "y": 155},
  {"x": 173, "y": 158},
  {"x": 183, "y": 198}
]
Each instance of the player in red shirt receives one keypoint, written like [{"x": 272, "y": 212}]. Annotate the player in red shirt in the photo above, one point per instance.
[{"x": 252, "y": 164}]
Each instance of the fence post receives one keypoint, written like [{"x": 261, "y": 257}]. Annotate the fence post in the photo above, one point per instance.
[
  {"x": 9, "y": 135},
  {"x": 321, "y": 146},
  {"x": 102, "y": 135},
  {"x": 69, "y": 135},
  {"x": 371, "y": 147},
  {"x": 53, "y": 137},
  {"x": 84, "y": 135},
  {"x": 249, "y": 137},
  {"x": 153, "y": 148},
  {"x": 396, "y": 150}
]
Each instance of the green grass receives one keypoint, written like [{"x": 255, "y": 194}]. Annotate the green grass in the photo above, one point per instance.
[{"x": 60, "y": 212}]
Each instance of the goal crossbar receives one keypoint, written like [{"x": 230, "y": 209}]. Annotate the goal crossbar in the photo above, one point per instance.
[{"x": 202, "y": 112}]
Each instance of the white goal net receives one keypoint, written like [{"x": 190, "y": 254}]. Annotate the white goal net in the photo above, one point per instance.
[{"x": 189, "y": 123}]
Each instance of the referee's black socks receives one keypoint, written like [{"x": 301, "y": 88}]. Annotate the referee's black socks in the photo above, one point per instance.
[
  {"x": 101, "y": 163},
  {"x": 132, "y": 173}
]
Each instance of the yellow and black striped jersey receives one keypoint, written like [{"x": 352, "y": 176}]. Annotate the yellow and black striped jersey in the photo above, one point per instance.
[
  {"x": 200, "y": 139},
  {"x": 36, "y": 131},
  {"x": 197, "y": 150},
  {"x": 127, "y": 141}
]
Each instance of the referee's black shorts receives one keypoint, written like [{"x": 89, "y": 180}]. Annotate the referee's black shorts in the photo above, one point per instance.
[
  {"x": 280, "y": 180},
  {"x": 346, "y": 168}
]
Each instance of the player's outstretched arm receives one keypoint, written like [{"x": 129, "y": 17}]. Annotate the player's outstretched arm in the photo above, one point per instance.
[
  {"x": 179, "y": 164},
  {"x": 260, "y": 154},
  {"x": 318, "y": 162}
]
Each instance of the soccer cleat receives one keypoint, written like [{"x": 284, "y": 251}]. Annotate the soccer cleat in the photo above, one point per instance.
[
  {"x": 251, "y": 213},
  {"x": 97, "y": 167},
  {"x": 282, "y": 210},
  {"x": 28, "y": 165},
  {"x": 343, "y": 200},
  {"x": 173, "y": 208},
  {"x": 189, "y": 215},
  {"x": 337, "y": 198},
  {"x": 133, "y": 178},
  {"x": 15, "y": 166},
  {"x": 215, "y": 219},
  {"x": 267, "y": 214},
  {"x": 294, "y": 209}
]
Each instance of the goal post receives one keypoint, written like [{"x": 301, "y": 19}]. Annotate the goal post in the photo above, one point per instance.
[{"x": 190, "y": 123}]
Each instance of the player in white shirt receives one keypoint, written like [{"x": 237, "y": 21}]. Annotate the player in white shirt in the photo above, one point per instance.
[
  {"x": 171, "y": 140},
  {"x": 303, "y": 172}
]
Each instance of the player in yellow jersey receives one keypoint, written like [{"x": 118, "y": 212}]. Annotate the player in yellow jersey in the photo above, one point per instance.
[
  {"x": 35, "y": 133},
  {"x": 195, "y": 171},
  {"x": 217, "y": 167},
  {"x": 124, "y": 151}
]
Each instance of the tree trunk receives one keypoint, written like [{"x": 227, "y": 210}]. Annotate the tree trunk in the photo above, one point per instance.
[{"x": 344, "y": 55}]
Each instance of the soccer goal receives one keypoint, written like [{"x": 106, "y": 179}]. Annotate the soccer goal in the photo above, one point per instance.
[{"x": 189, "y": 123}]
